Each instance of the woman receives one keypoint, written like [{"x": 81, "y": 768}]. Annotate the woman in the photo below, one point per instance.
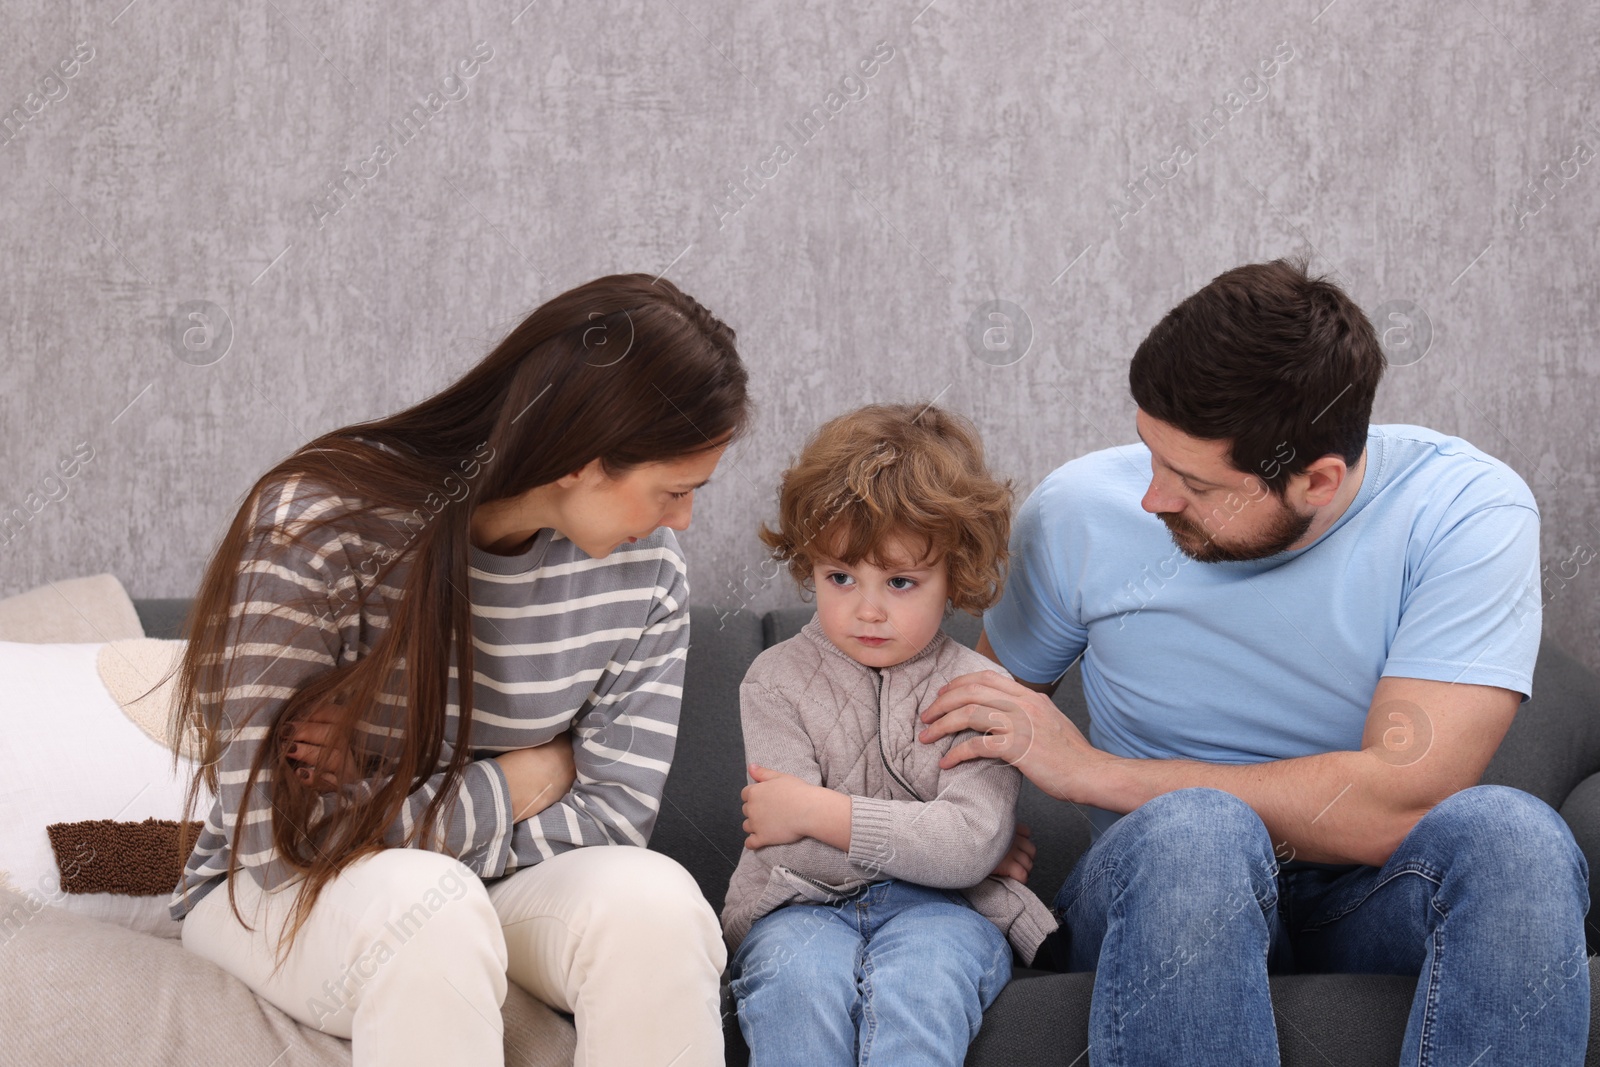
[{"x": 410, "y": 844}]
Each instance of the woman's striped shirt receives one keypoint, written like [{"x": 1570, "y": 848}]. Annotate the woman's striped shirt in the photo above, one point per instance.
[{"x": 561, "y": 640}]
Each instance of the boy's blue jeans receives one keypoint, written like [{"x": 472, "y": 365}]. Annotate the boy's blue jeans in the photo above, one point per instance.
[
  {"x": 896, "y": 975},
  {"x": 1182, "y": 910}
]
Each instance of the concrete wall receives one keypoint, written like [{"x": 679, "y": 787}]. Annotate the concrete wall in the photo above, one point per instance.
[{"x": 1088, "y": 166}]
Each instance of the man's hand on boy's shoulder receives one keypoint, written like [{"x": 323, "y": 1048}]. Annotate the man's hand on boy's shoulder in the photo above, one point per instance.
[
  {"x": 969, "y": 666},
  {"x": 1019, "y": 725}
]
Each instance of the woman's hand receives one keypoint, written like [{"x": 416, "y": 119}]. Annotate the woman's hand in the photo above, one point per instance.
[
  {"x": 538, "y": 776},
  {"x": 1019, "y": 861},
  {"x": 311, "y": 751}
]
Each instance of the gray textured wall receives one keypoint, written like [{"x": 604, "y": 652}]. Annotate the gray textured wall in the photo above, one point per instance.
[{"x": 1089, "y": 167}]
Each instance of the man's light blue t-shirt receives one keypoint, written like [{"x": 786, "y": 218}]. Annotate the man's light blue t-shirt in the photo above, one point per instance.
[{"x": 1432, "y": 573}]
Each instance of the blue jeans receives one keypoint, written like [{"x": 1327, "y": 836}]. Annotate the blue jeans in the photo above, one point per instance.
[
  {"x": 897, "y": 974},
  {"x": 1182, "y": 910}
]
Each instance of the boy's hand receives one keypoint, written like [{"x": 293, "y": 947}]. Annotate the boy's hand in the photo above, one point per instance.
[
  {"x": 777, "y": 807},
  {"x": 1018, "y": 862}
]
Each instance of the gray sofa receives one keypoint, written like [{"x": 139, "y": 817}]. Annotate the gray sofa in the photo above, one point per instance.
[{"x": 1552, "y": 751}]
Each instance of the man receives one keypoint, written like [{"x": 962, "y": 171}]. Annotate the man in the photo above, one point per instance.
[{"x": 1302, "y": 639}]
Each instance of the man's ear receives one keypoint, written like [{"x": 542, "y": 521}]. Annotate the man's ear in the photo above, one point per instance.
[{"x": 1319, "y": 483}]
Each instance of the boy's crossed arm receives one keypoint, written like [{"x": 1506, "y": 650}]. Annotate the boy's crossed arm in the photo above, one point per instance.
[
  {"x": 952, "y": 841},
  {"x": 775, "y": 742}
]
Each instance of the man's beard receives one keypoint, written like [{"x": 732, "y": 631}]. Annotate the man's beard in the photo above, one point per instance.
[{"x": 1199, "y": 544}]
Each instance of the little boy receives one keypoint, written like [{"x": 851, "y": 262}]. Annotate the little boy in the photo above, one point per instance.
[{"x": 864, "y": 922}]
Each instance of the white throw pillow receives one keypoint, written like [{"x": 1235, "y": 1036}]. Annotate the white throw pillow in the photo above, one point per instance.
[{"x": 70, "y": 753}]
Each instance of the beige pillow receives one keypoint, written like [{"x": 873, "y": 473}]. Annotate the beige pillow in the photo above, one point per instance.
[
  {"x": 72, "y": 610},
  {"x": 130, "y": 670}
]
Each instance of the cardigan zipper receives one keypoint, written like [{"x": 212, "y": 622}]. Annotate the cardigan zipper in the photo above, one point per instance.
[
  {"x": 824, "y": 886},
  {"x": 877, "y": 675}
]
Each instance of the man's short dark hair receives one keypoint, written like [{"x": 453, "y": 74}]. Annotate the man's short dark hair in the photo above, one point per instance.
[{"x": 1282, "y": 364}]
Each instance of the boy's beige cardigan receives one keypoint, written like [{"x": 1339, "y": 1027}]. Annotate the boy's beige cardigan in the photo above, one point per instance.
[{"x": 810, "y": 710}]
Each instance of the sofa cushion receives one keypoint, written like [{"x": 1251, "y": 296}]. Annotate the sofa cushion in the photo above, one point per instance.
[
  {"x": 1554, "y": 741},
  {"x": 1321, "y": 1019},
  {"x": 163, "y": 616},
  {"x": 1581, "y": 810},
  {"x": 700, "y": 810},
  {"x": 81, "y": 991}
]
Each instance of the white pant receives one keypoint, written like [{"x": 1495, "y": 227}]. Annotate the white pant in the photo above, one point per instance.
[{"x": 407, "y": 954}]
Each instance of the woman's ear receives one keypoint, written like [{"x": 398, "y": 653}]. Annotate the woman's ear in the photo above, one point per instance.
[{"x": 589, "y": 471}]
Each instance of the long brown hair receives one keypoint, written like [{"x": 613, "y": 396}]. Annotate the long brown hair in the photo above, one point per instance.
[{"x": 623, "y": 368}]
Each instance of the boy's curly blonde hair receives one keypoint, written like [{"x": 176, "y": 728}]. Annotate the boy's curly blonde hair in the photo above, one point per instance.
[{"x": 886, "y": 469}]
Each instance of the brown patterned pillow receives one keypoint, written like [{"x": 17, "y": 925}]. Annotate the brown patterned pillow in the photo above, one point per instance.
[{"x": 139, "y": 859}]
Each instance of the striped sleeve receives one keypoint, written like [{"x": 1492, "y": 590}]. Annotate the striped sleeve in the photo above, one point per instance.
[
  {"x": 288, "y": 632},
  {"x": 475, "y": 828},
  {"x": 622, "y": 748},
  {"x": 282, "y": 633}
]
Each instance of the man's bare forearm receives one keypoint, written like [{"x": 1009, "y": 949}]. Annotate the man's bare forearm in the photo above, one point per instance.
[{"x": 1334, "y": 807}]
